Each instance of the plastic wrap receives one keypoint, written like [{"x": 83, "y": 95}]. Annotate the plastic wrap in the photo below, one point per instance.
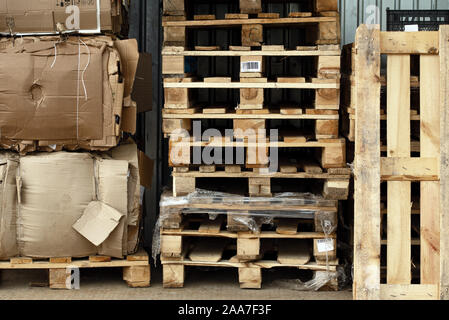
[{"x": 248, "y": 212}]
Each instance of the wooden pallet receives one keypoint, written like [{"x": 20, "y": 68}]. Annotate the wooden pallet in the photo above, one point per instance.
[
  {"x": 183, "y": 8},
  {"x": 330, "y": 153},
  {"x": 136, "y": 267},
  {"x": 325, "y": 29},
  {"x": 209, "y": 246},
  {"x": 320, "y": 17},
  {"x": 283, "y": 222},
  {"x": 332, "y": 185},
  {"x": 430, "y": 169}
]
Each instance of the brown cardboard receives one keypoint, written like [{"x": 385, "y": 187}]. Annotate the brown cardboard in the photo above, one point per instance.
[
  {"x": 50, "y": 195},
  {"x": 44, "y": 16},
  {"x": 56, "y": 189},
  {"x": 97, "y": 222},
  {"x": 112, "y": 185},
  {"x": 143, "y": 84},
  {"x": 8, "y": 209},
  {"x": 97, "y": 121},
  {"x": 129, "y": 152}
]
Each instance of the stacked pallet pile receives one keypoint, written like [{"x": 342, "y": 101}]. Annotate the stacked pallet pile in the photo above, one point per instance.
[
  {"x": 234, "y": 73},
  {"x": 70, "y": 177}
]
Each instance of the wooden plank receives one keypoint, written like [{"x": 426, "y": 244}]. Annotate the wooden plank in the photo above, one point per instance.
[
  {"x": 235, "y": 172},
  {"x": 61, "y": 260},
  {"x": 266, "y": 264},
  {"x": 299, "y": 14},
  {"x": 409, "y": 292},
  {"x": 237, "y": 22},
  {"x": 248, "y": 247},
  {"x": 430, "y": 147},
  {"x": 236, "y": 16},
  {"x": 250, "y": 6},
  {"x": 444, "y": 161},
  {"x": 233, "y": 235},
  {"x": 21, "y": 260},
  {"x": 309, "y": 166},
  {"x": 217, "y": 113},
  {"x": 268, "y": 15},
  {"x": 210, "y": 250},
  {"x": 211, "y": 226},
  {"x": 238, "y": 53},
  {"x": 367, "y": 166},
  {"x": 293, "y": 252},
  {"x": 204, "y": 17},
  {"x": 287, "y": 226},
  {"x": 173, "y": 7},
  {"x": 413, "y": 169},
  {"x": 100, "y": 258},
  {"x": 409, "y": 42},
  {"x": 137, "y": 276},
  {"x": 252, "y": 85},
  {"x": 399, "y": 192}
]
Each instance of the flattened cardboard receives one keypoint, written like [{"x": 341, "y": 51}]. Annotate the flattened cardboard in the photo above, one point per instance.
[
  {"x": 8, "y": 206},
  {"x": 97, "y": 222},
  {"x": 112, "y": 184}
]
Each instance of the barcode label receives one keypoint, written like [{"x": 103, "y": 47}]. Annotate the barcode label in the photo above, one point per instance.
[
  {"x": 325, "y": 245},
  {"x": 250, "y": 66}
]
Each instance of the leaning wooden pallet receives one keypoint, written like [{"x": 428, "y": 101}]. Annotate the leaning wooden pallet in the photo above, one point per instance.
[
  {"x": 401, "y": 165},
  {"x": 136, "y": 268}
]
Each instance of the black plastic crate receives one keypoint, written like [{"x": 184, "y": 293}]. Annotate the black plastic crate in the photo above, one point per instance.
[{"x": 427, "y": 20}]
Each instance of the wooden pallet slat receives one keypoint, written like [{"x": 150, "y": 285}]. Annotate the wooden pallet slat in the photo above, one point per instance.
[
  {"x": 399, "y": 192},
  {"x": 444, "y": 161},
  {"x": 367, "y": 166}
]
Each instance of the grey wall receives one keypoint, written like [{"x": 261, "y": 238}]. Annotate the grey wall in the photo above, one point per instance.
[{"x": 353, "y": 12}]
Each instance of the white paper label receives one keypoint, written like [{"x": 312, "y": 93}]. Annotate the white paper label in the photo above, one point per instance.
[
  {"x": 411, "y": 28},
  {"x": 325, "y": 245},
  {"x": 250, "y": 66}
]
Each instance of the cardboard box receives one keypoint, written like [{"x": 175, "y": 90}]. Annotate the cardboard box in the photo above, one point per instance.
[
  {"x": 50, "y": 16},
  {"x": 70, "y": 204},
  {"x": 66, "y": 95}
]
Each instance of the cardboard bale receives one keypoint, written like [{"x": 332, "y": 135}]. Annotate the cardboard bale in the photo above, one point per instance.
[
  {"x": 75, "y": 90},
  {"x": 49, "y": 16},
  {"x": 70, "y": 204}
]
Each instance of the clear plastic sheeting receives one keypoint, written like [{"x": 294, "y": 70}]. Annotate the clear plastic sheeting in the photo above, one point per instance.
[
  {"x": 249, "y": 212},
  {"x": 282, "y": 205}
]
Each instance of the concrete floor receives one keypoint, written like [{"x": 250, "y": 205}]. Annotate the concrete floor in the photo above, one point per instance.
[{"x": 107, "y": 284}]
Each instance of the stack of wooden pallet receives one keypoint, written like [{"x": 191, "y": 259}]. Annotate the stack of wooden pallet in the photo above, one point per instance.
[{"x": 256, "y": 67}]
